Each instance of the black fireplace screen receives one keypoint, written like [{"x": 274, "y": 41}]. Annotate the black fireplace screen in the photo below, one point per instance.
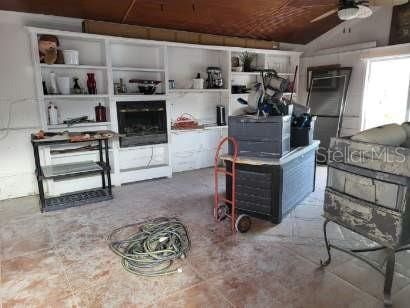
[{"x": 142, "y": 123}]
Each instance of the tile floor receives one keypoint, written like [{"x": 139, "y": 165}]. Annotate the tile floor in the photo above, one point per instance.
[{"x": 61, "y": 259}]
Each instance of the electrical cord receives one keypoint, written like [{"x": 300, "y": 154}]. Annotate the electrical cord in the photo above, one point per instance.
[
  {"x": 152, "y": 250},
  {"x": 152, "y": 156},
  {"x": 6, "y": 127}
]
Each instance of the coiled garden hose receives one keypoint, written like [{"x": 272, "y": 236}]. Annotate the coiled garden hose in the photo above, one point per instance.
[{"x": 152, "y": 250}]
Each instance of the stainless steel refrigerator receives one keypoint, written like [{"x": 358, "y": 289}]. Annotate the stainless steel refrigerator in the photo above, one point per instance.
[{"x": 327, "y": 101}]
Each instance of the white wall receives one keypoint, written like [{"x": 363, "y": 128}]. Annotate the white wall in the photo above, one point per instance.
[
  {"x": 376, "y": 28},
  {"x": 17, "y": 82},
  {"x": 350, "y": 49}
]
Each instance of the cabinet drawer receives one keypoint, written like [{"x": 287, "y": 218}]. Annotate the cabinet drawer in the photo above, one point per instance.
[
  {"x": 372, "y": 190},
  {"x": 377, "y": 223}
]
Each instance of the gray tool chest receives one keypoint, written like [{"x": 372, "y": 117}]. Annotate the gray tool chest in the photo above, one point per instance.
[
  {"x": 270, "y": 188},
  {"x": 367, "y": 192},
  {"x": 260, "y": 136}
]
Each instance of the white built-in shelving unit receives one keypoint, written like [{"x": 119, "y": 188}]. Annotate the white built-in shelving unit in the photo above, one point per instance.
[{"x": 111, "y": 58}]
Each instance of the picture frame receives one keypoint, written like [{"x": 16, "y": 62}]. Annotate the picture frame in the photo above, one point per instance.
[{"x": 400, "y": 25}]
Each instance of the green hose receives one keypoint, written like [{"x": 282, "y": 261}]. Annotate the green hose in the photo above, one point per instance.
[{"x": 152, "y": 250}]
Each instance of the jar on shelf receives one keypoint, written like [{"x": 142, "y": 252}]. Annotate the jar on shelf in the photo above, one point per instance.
[
  {"x": 91, "y": 84},
  {"x": 100, "y": 113}
]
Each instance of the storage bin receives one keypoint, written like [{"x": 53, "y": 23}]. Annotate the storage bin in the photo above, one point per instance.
[
  {"x": 260, "y": 137},
  {"x": 302, "y": 136}
]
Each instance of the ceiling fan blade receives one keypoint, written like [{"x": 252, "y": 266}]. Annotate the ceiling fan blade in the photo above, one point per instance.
[
  {"x": 387, "y": 2},
  {"x": 323, "y": 16}
]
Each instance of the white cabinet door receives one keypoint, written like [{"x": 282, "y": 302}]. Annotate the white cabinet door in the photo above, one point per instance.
[{"x": 194, "y": 149}]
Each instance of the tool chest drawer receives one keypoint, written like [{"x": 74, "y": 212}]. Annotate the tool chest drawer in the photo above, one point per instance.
[
  {"x": 254, "y": 191},
  {"x": 260, "y": 137},
  {"x": 376, "y": 223},
  {"x": 253, "y": 179},
  {"x": 358, "y": 183}
]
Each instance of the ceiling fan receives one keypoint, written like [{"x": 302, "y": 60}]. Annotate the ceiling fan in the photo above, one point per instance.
[{"x": 350, "y": 9}]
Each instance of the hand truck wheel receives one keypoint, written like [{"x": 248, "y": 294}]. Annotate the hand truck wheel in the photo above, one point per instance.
[
  {"x": 222, "y": 212},
  {"x": 243, "y": 223}
]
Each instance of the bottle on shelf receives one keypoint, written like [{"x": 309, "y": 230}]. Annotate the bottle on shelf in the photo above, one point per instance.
[
  {"x": 45, "y": 91},
  {"x": 53, "y": 83},
  {"x": 52, "y": 111},
  {"x": 100, "y": 113},
  {"x": 91, "y": 84},
  {"x": 76, "y": 88}
]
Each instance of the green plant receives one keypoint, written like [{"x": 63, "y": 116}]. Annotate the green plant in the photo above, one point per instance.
[{"x": 247, "y": 59}]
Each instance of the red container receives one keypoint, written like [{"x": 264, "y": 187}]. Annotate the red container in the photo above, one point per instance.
[
  {"x": 91, "y": 84},
  {"x": 100, "y": 113}
]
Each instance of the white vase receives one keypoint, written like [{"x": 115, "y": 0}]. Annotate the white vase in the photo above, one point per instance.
[
  {"x": 71, "y": 57},
  {"x": 63, "y": 84},
  {"x": 53, "y": 84}
]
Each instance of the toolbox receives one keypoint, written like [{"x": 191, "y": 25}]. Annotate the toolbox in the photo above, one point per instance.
[
  {"x": 260, "y": 136},
  {"x": 269, "y": 191}
]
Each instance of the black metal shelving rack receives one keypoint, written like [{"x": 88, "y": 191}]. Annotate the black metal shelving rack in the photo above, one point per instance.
[{"x": 62, "y": 171}]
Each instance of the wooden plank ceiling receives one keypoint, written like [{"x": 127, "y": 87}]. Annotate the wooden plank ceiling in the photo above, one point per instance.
[{"x": 276, "y": 20}]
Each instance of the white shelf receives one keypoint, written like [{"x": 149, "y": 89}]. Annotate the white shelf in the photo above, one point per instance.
[
  {"x": 69, "y": 169},
  {"x": 143, "y": 147},
  {"x": 68, "y": 66},
  {"x": 206, "y": 127},
  {"x": 171, "y": 91},
  {"x": 137, "y": 69},
  {"x": 246, "y": 73},
  {"x": 139, "y": 97},
  {"x": 85, "y": 124},
  {"x": 257, "y": 74},
  {"x": 76, "y": 96}
]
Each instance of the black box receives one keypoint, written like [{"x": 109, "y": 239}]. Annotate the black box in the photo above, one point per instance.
[
  {"x": 260, "y": 136},
  {"x": 302, "y": 136}
]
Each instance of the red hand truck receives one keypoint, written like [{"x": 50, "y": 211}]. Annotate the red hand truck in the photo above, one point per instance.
[{"x": 227, "y": 209}]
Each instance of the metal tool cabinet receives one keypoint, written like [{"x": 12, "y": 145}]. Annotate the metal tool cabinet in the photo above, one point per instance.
[
  {"x": 367, "y": 192},
  {"x": 268, "y": 188},
  {"x": 63, "y": 171}
]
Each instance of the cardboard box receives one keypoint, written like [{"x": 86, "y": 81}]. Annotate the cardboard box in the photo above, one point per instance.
[
  {"x": 187, "y": 37},
  {"x": 114, "y": 29},
  {"x": 158, "y": 34},
  {"x": 259, "y": 44},
  {"x": 234, "y": 41},
  {"x": 211, "y": 39}
]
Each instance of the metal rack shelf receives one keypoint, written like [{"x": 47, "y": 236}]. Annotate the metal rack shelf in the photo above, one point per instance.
[
  {"x": 62, "y": 171},
  {"x": 77, "y": 198},
  {"x": 72, "y": 169}
]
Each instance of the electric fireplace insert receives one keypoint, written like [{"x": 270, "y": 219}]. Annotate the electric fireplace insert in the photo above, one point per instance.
[{"x": 142, "y": 123}]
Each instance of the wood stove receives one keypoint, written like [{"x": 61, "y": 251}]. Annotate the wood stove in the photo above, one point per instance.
[{"x": 142, "y": 123}]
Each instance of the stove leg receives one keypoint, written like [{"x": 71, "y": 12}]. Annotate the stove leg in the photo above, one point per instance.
[
  {"x": 388, "y": 280},
  {"x": 329, "y": 257}
]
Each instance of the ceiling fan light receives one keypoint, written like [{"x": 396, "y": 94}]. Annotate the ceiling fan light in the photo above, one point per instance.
[
  {"x": 364, "y": 11},
  {"x": 348, "y": 13}
]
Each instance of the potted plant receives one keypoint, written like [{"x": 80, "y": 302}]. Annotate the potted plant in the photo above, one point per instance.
[{"x": 247, "y": 59}]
